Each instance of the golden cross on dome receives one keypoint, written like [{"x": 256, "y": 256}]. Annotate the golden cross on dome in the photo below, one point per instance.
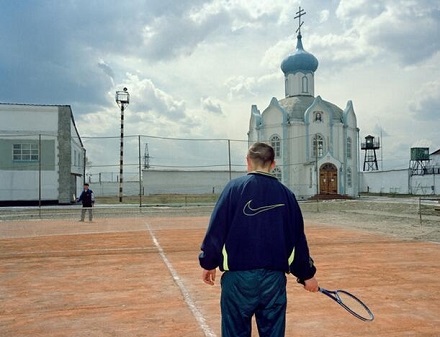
[{"x": 298, "y": 15}]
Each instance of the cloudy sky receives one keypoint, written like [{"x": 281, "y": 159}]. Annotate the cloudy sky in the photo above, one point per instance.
[{"x": 194, "y": 68}]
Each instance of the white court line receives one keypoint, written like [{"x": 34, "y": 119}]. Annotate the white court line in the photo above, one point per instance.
[{"x": 189, "y": 302}]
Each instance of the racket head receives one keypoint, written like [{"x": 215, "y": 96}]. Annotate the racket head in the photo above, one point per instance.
[{"x": 350, "y": 303}]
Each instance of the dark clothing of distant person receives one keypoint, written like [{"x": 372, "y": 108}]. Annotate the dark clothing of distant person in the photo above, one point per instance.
[{"x": 88, "y": 200}]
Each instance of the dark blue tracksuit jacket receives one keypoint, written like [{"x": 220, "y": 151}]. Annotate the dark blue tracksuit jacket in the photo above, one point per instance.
[{"x": 257, "y": 223}]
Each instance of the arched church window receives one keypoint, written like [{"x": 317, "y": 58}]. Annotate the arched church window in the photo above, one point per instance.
[
  {"x": 277, "y": 173},
  {"x": 349, "y": 148},
  {"x": 349, "y": 177},
  {"x": 318, "y": 146},
  {"x": 275, "y": 142},
  {"x": 305, "y": 84}
]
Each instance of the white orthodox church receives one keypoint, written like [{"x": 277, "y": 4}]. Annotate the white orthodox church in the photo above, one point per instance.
[{"x": 316, "y": 143}]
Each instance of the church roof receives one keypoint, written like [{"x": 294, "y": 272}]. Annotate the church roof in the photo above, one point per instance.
[
  {"x": 296, "y": 106},
  {"x": 300, "y": 60}
]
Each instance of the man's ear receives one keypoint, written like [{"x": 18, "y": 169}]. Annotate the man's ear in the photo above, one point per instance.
[
  {"x": 249, "y": 164},
  {"x": 272, "y": 166}
]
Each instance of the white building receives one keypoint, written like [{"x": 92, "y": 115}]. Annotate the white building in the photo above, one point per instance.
[
  {"x": 435, "y": 160},
  {"x": 316, "y": 142},
  {"x": 41, "y": 154}
]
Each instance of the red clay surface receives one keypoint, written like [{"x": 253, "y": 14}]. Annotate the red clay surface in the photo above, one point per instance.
[{"x": 140, "y": 277}]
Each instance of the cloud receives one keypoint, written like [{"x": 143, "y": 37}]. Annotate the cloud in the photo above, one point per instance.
[
  {"x": 324, "y": 15},
  {"x": 426, "y": 103},
  {"x": 195, "y": 67},
  {"x": 380, "y": 131},
  {"x": 174, "y": 35},
  {"x": 211, "y": 105},
  {"x": 107, "y": 70},
  {"x": 251, "y": 87},
  {"x": 355, "y": 11},
  {"x": 399, "y": 28},
  {"x": 422, "y": 143}
]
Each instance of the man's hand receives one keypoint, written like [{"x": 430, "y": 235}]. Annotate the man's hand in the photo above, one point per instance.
[
  {"x": 209, "y": 276},
  {"x": 311, "y": 285}
]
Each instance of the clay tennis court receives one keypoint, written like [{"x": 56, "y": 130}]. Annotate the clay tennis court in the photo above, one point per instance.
[{"x": 139, "y": 276}]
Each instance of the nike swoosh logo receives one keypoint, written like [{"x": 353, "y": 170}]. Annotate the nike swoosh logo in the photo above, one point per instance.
[{"x": 249, "y": 211}]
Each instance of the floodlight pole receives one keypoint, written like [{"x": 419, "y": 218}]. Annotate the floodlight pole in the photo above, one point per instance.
[{"x": 122, "y": 99}]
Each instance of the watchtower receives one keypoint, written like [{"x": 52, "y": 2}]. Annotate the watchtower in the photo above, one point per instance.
[
  {"x": 419, "y": 159},
  {"x": 370, "y": 159}
]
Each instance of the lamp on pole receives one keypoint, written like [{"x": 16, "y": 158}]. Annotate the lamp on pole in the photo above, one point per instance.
[{"x": 122, "y": 99}]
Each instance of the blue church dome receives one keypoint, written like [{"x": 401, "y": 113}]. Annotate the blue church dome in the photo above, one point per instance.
[{"x": 300, "y": 60}]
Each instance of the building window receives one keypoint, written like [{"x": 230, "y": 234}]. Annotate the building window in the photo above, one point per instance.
[
  {"x": 349, "y": 148},
  {"x": 25, "y": 152},
  {"x": 277, "y": 173},
  {"x": 349, "y": 177},
  {"x": 318, "y": 146},
  {"x": 275, "y": 142},
  {"x": 305, "y": 84}
]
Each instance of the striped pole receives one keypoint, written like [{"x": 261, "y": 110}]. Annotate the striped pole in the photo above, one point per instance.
[
  {"x": 121, "y": 157},
  {"x": 123, "y": 99}
]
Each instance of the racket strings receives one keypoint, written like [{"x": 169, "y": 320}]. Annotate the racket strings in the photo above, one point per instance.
[{"x": 354, "y": 304}]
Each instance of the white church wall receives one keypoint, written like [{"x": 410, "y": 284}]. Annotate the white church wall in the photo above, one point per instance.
[
  {"x": 336, "y": 142},
  {"x": 273, "y": 119},
  {"x": 350, "y": 120},
  {"x": 305, "y": 182},
  {"x": 297, "y": 140},
  {"x": 297, "y": 184},
  {"x": 294, "y": 84}
]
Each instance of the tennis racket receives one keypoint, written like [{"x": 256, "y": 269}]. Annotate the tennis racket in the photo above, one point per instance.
[{"x": 349, "y": 302}]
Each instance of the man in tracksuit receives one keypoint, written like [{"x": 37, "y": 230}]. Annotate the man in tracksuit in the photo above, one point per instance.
[
  {"x": 88, "y": 200},
  {"x": 256, "y": 236}
]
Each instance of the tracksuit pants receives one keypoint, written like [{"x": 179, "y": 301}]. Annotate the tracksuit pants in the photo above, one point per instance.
[
  {"x": 255, "y": 292},
  {"x": 83, "y": 213}
]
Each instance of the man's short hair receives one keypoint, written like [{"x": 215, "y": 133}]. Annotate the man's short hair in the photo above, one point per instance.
[
  {"x": 86, "y": 184},
  {"x": 262, "y": 154}
]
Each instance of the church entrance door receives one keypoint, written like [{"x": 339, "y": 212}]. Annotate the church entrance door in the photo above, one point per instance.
[{"x": 328, "y": 179}]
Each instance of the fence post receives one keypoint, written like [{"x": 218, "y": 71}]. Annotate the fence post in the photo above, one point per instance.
[
  {"x": 140, "y": 172},
  {"x": 39, "y": 175},
  {"x": 229, "y": 155}
]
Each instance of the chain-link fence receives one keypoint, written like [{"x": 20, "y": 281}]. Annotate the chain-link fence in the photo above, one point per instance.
[{"x": 148, "y": 152}]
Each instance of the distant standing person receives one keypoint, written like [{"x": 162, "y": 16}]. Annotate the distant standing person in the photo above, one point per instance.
[
  {"x": 88, "y": 200},
  {"x": 256, "y": 236}
]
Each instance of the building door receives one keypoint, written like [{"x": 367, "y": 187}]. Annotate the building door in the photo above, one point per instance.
[{"x": 328, "y": 179}]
